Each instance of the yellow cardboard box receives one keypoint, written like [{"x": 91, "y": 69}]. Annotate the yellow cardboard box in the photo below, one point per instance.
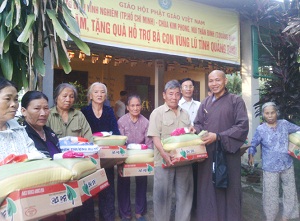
[
  {"x": 138, "y": 169},
  {"x": 112, "y": 155},
  {"x": 38, "y": 202},
  {"x": 188, "y": 155},
  {"x": 92, "y": 184}
]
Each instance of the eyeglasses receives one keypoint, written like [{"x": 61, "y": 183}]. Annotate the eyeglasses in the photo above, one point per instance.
[{"x": 186, "y": 87}]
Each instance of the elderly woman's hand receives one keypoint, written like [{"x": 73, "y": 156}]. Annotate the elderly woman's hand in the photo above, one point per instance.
[{"x": 250, "y": 160}]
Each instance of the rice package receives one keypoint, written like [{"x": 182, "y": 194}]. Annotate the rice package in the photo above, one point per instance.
[{"x": 77, "y": 144}]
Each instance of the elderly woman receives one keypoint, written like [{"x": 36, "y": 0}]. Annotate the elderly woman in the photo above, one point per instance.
[
  {"x": 64, "y": 120},
  {"x": 13, "y": 137},
  {"x": 35, "y": 111},
  {"x": 135, "y": 127},
  {"x": 277, "y": 164},
  {"x": 102, "y": 118}
]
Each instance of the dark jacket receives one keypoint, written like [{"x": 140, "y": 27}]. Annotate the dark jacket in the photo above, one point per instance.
[{"x": 39, "y": 143}]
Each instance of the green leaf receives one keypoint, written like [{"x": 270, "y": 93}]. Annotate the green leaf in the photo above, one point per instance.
[
  {"x": 9, "y": 18},
  {"x": 93, "y": 160},
  {"x": 7, "y": 65},
  {"x": 18, "y": 11},
  {"x": 3, "y": 35},
  {"x": 80, "y": 44},
  {"x": 149, "y": 168},
  {"x": 71, "y": 22},
  {"x": 6, "y": 43},
  {"x": 11, "y": 207},
  {"x": 39, "y": 64},
  {"x": 27, "y": 30},
  {"x": 3, "y": 6},
  {"x": 86, "y": 190},
  {"x": 71, "y": 194},
  {"x": 64, "y": 61},
  {"x": 122, "y": 151},
  {"x": 183, "y": 153},
  {"x": 58, "y": 28}
]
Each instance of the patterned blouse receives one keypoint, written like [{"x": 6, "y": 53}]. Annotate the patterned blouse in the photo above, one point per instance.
[
  {"x": 15, "y": 140},
  {"x": 274, "y": 143},
  {"x": 135, "y": 132}
]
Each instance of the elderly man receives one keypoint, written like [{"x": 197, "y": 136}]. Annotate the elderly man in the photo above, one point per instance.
[
  {"x": 224, "y": 114},
  {"x": 163, "y": 120}
]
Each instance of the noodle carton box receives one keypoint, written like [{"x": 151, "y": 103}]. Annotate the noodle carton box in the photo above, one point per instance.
[
  {"x": 294, "y": 150},
  {"x": 187, "y": 155},
  {"x": 112, "y": 155},
  {"x": 137, "y": 169},
  {"x": 92, "y": 184},
  {"x": 38, "y": 202}
]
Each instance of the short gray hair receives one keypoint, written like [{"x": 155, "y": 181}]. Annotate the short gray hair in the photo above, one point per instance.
[
  {"x": 61, "y": 87},
  {"x": 268, "y": 104},
  {"x": 91, "y": 88},
  {"x": 172, "y": 84}
]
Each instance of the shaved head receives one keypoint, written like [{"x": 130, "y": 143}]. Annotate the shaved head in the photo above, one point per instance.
[{"x": 219, "y": 72}]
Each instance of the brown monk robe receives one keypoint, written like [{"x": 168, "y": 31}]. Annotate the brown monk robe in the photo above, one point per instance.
[{"x": 227, "y": 116}]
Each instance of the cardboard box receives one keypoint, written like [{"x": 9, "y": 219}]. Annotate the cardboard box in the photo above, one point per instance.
[
  {"x": 188, "y": 155},
  {"x": 92, "y": 184},
  {"x": 138, "y": 169},
  {"x": 112, "y": 155},
  {"x": 38, "y": 202},
  {"x": 294, "y": 150}
]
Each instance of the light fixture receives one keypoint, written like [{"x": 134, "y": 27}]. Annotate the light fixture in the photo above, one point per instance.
[
  {"x": 107, "y": 59},
  {"x": 171, "y": 67},
  {"x": 71, "y": 54},
  {"x": 81, "y": 55},
  {"x": 95, "y": 58},
  {"x": 133, "y": 63}
]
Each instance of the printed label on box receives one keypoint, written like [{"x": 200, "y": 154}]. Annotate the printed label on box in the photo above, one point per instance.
[{"x": 138, "y": 169}]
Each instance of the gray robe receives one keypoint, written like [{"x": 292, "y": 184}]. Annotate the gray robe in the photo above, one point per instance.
[{"x": 227, "y": 116}]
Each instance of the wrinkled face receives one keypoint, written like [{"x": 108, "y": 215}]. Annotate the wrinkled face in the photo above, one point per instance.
[
  {"x": 172, "y": 97},
  {"x": 217, "y": 83},
  {"x": 8, "y": 103},
  {"x": 270, "y": 114},
  {"x": 134, "y": 107},
  {"x": 98, "y": 94},
  {"x": 187, "y": 89},
  {"x": 65, "y": 99},
  {"x": 36, "y": 113}
]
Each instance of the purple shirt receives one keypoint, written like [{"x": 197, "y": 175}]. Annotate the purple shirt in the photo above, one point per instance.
[
  {"x": 274, "y": 144},
  {"x": 135, "y": 132}
]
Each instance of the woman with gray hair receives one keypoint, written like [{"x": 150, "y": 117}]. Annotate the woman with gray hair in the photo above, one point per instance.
[
  {"x": 101, "y": 118},
  {"x": 63, "y": 119},
  {"x": 277, "y": 164}
]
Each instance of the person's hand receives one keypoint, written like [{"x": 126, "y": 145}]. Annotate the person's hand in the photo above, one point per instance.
[
  {"x": 192, "y": 130},
  {"x": 119, "y": 169},
  {"x": 250, "y": 160},
  {"x": 64, "y": 212},
  {"x": 169, "y": 158},
  {"x": 209, "y": 138}
]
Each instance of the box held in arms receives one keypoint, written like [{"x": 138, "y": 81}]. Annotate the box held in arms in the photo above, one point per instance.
[
  {"x": 40, "y": 202},
  {"x": 92, "y": 184},
  {"x": 294, "y": 150},
  {"x": 188, "y": 155},
  {"x": 137, "y": 169},
  {"x": 112, "y": 155}
]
